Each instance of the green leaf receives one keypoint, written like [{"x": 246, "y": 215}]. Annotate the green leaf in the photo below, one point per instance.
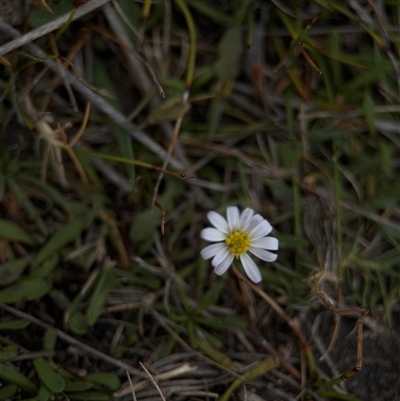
[
  {"x": 105, "y": 379},
  {"x": 253, "y": 373},
  {"x": 48, "y": 376},
  {"x": 336, "y": 396},
  {"x": 10, "y": 271},
  {"x": 369, "y": 112},
  {"x": 16, "y": 324},
  {"x": 290, "y": 154},
  {"x": 13, "y": 232},
  {"x": 61, "y": 238},
  {"x": 215, "y": 354},
  {"x": 51, "y": 192},
  {"x": 386, "y": 152},
  {"x": 8, "y": 352},
  {"x": 28, "y": 206},
  {"x": 25, "y": 289},
  {"x": 89, "y": 396},
  {"x": 144, "y": 225},
  {"x": 74, "y": 386},
  {"x": 78, "y": 323},
  {"x": 7, "y": 392},
  {"x": 46, "y": 268},
  {"x": 42, "y": 15},
  {"x": 168, "y": 110},
  {"x": 105, "y": 283},
  {"x": 211, "y": 11},
  {"x": 49, "y": 339},
  {"x": 44, "y": 393},
  {"x": 230, "y": 49},
  {"x": 11, "y": 375},
  {"x": 210, "y": 297},
  {"x": 132, "y": 13},
  {"x": 291, "y": 241}
]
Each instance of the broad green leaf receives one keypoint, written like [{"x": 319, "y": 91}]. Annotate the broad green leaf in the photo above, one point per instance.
[
  {"x": 105, "y": 379},
  {"x": 105, "y": 283},
  {"x": 89, "y": 396},
  {"x": 144, "y": 225},
  {"x": 7, "y": 392},
  {"x": 386, "y": 152},
  {"x": 41, "y": 16},
  {"x": 61, "y": 238},
  {"x": 16, "y": 324},
  {"x": 132, "y": 13},
  {"x": 44, "y": 393},
  {"x": 78, "y": 323},
  {"x": 292, "y": 241},
  {"x": 25, "y": 289},
  {"x": 211, "y": 11},
  {"x": 46, "y": 268},
  {"x": 13, "y": 232},
  {"x": 230, "y": 49},
  {"x": 48, "y": 376},
  {"x": 290, "y": 154},
  {"x": 74, "y": 386},
  {"x": 49, "y": 339},
  {"x": 12, "y": 375},
  {"x": 10, "y": 271},
  {"x": 8, "y": 352}
]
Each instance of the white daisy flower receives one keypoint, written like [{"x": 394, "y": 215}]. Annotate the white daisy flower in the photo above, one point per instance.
[{"x": 235, "y": 237}]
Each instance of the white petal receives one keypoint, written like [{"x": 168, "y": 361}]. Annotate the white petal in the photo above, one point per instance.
[
  {"x": 263, "y": 229},
  {"x": 255, "y": 221},
  {"x": 232, "y": 213},
  {"x": 245, "y": 219},
  {"x": 224, "y": 266},
  {"x": 220, "y": 256},
  {"x": 250, "y": 268},
  {"x": 211, "y": 250},
  {"x": 212, "y": 235},
  {"x": 218, "y": 221},
  {"x": 263, "y": 254},
  {"x": 269, "y": 243}
]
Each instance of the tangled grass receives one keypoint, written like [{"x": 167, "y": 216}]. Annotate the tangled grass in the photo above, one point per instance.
[{"x": 123, "y": 123}]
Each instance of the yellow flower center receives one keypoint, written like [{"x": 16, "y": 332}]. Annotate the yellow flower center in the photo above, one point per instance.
[{"x": 237, "y": 242}]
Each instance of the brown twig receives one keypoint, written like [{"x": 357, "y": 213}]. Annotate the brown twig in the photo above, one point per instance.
[
  {"x": 153, "y": 381},
  {"x": 274, "y": 305}
]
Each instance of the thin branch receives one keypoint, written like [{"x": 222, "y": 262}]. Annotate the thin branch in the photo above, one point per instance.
[
  {"x": 94, "y": 98},
  {"x": 49, "y": 27},
  {"x": 153, "y": 381}
]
